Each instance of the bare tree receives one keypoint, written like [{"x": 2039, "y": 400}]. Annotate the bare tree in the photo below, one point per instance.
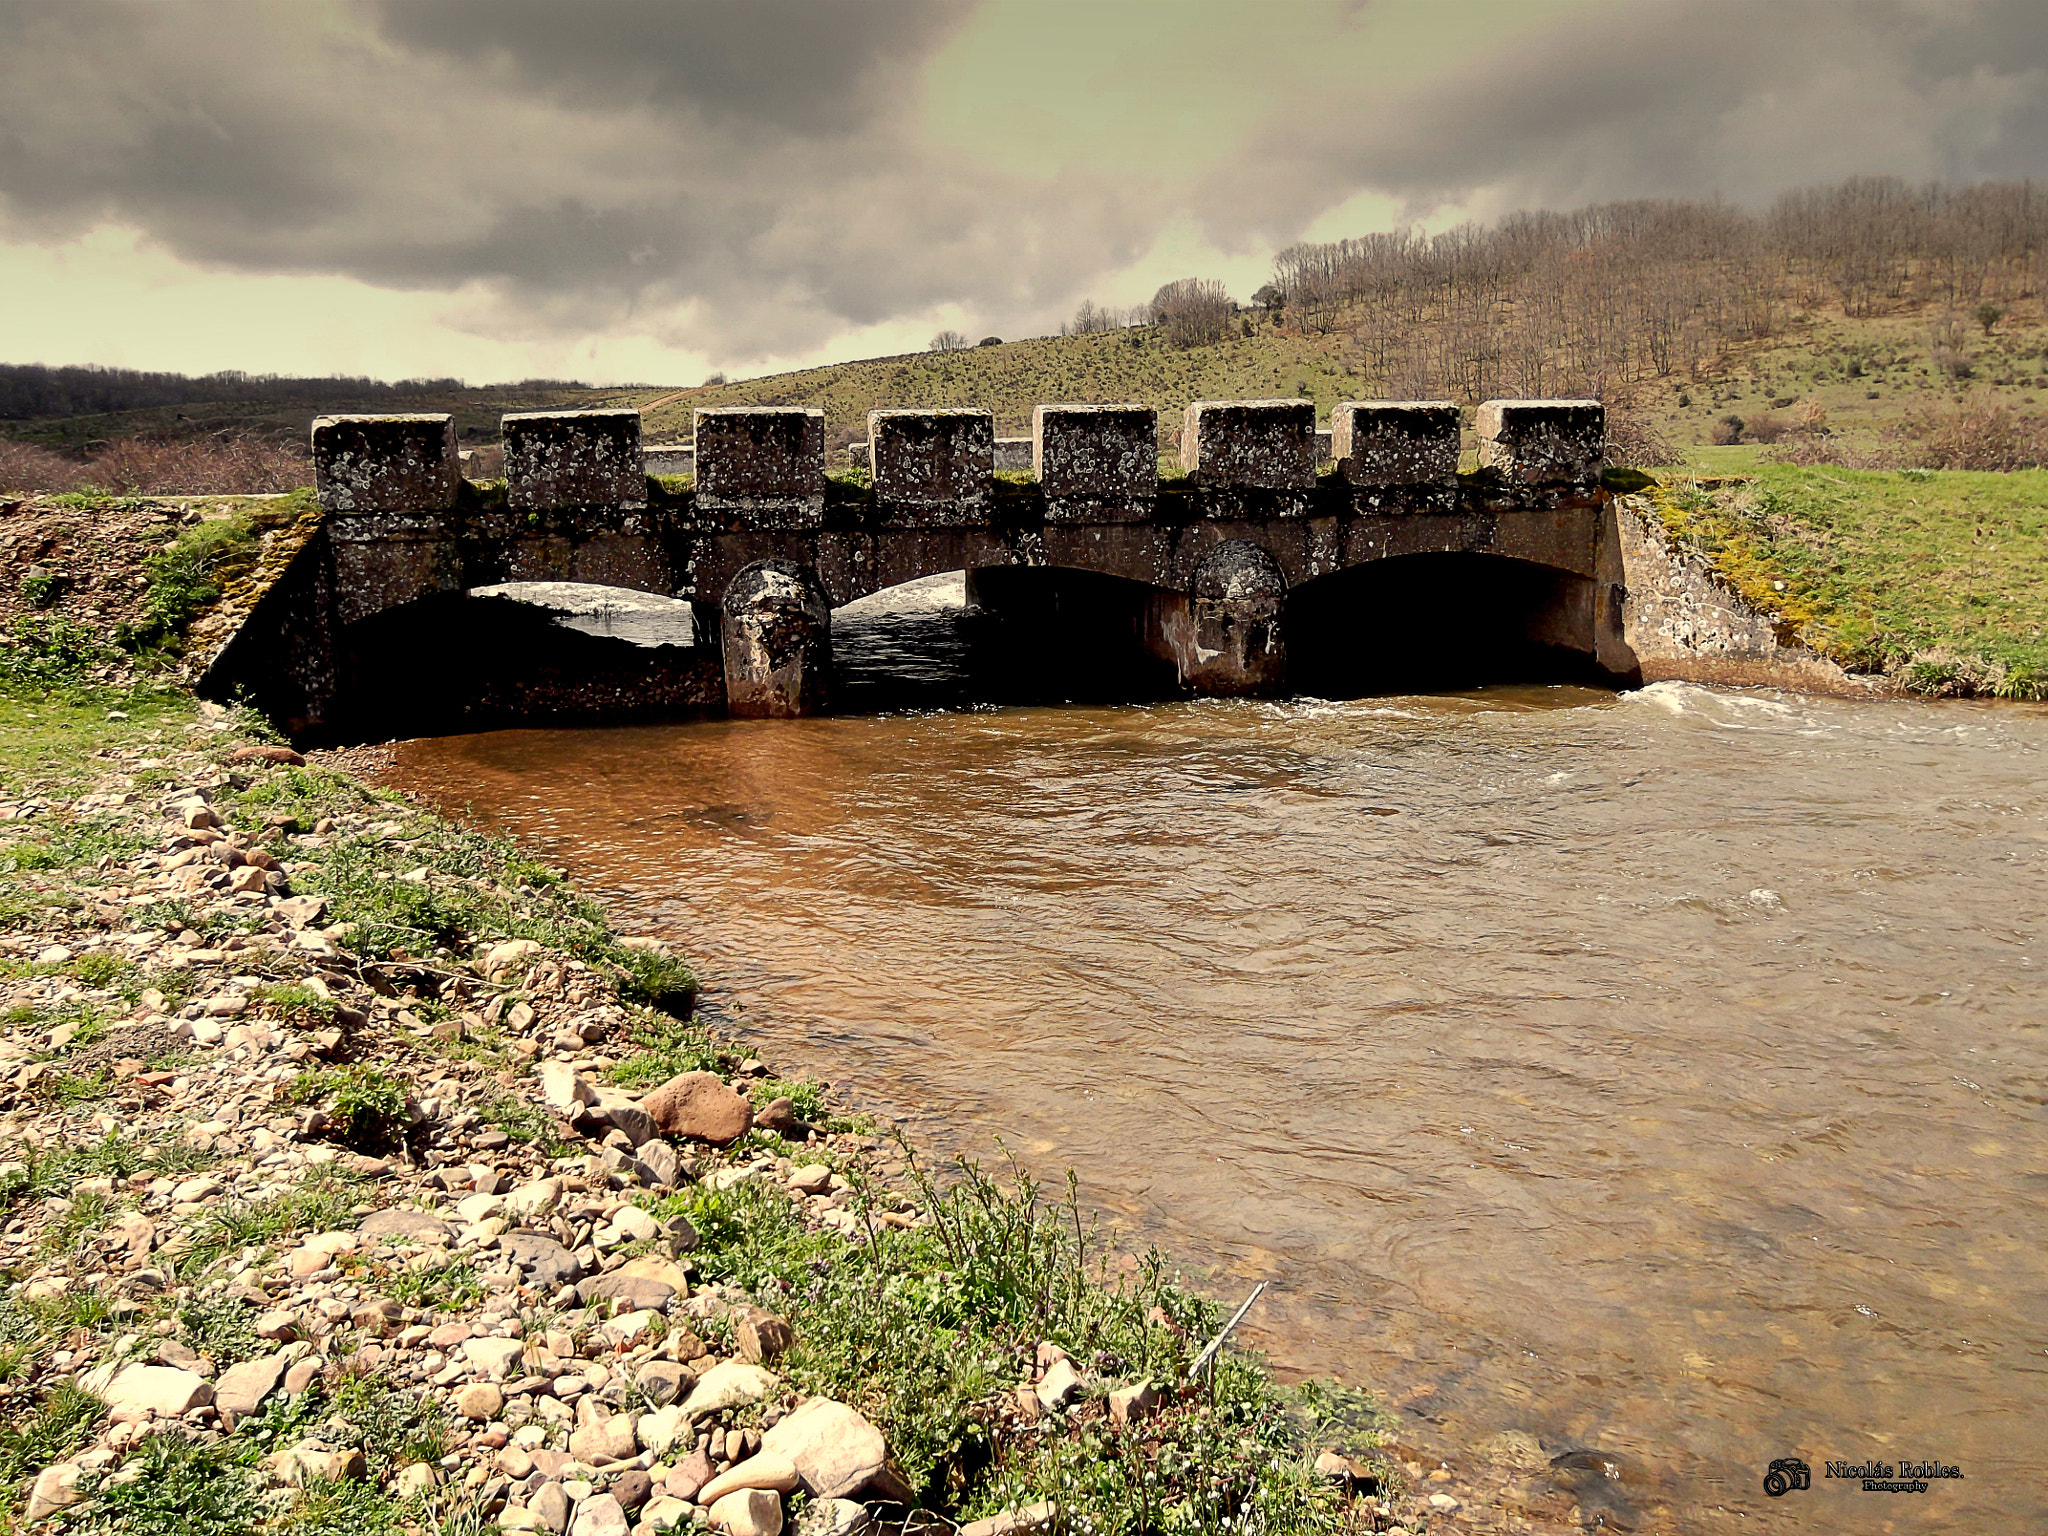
[
  {"x": 948, "y": 341},
  {"x": 1193, "y": 311}
]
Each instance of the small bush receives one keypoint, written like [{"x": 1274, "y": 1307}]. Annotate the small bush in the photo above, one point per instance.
[
  {"x": 366, "y": 1107},
  {"x": 1727, "y": 431},
  {"x": 1766, "y": 427}
]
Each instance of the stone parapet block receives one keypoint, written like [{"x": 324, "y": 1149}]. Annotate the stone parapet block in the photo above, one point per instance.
[
  {"x": 763, "y": 463},
  {"x": 932, "y": 469},
  {"x": 1266, "y": 445},
  {"x": 1395, "y": 442},
  {"x": 573, "y": 459},
  {"x": 385, "y": 463},
  {"x": 1543, "y": 442}
]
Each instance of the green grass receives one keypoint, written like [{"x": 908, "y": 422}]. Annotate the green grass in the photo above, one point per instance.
[
  {"x": 220, "y": 1327},
  {"x": 322, "y": 1202},
  {"x": 925, "y": 1331},
  {"x": 523, "y": 1122},
  {"x": 1938, "y": 577},
  {"x": 39, "y": 1173},
  {"x": 55, "y": 1427},
  {"x": 366, "y": 1106},
  {"x": 443, "y": 1286},
  {"x": 667, "y": 1046}
]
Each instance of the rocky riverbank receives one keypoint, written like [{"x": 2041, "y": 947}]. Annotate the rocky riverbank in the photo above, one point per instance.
[{"x": 358, "y": 1178}]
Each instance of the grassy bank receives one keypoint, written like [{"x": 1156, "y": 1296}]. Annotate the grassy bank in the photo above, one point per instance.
[
  {"x": 1936, "y": 578},
  {"x": 392, "y": 986}
]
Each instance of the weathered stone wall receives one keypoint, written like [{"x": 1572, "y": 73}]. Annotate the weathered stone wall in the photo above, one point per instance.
[{"x": 1679, "y": 621}]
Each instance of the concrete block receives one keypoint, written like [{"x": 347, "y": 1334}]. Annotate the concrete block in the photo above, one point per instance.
[
  {"x": 572, "y": 459},
  {"x": 1395, "y": 442},
  {"x": 1543, "y": 442},
  {"x": 1096, "y": 463},
  {"x": 932, "y": 468},
  {"x": 385, "y": 463},
  {"x": 1263, "y": 445},
  {"x": 765, "y": 464},
  {"x": 1013, "y": 453},
  {"x": 669, "y": 458}
]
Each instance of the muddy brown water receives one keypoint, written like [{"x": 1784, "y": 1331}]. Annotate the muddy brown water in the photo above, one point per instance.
[{"x": 1659, "y": 1074}]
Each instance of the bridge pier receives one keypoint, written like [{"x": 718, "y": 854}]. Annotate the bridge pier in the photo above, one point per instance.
[
  {"x": 775, "y": 631},
  {"x": 1227, "y": 638}
]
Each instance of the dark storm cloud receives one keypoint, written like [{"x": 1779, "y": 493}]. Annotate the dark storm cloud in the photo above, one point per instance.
[
  {"x": 1669, "y": 98},
  {"x": 739, "y": 177},
  {"x": 752, "y": 178},
  {"x": 797, "y": 65}
]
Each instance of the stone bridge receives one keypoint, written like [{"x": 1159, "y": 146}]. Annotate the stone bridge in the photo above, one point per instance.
[{"x": 1251, "y": 537}]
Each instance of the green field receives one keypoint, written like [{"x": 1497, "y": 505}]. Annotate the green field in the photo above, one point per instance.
[{"x": 1939, "y": 578}]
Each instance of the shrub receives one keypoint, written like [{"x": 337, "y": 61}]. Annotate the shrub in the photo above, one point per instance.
[
  {"x": 1727, "y": 431},
  {"x": 367, "y": 1108},
  {"x": 1632, "y": 443},
  {"x": 1980, "y": 434},
  {"x": 1766, "y": 427}
]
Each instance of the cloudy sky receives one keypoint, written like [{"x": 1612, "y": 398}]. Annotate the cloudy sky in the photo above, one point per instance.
[{"x": 649, "y": 189}]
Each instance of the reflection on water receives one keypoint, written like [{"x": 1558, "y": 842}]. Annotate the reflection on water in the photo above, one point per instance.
[{"x": 1661, "y": 1074}]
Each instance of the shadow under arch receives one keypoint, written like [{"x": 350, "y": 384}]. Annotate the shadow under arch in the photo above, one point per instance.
[
  {"x": 1055, "y": 634},
  {"x": 1440, "y": 621},
  {"x": 532, "y": 654}
]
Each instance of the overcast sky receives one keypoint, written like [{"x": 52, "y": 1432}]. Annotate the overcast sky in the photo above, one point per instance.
[{"x": 649, "y": 189}]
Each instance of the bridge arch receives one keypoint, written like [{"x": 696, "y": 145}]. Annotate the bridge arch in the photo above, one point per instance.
[{"x": 1436, "y": 620}]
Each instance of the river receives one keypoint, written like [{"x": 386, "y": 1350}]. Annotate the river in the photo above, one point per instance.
[{"x": 1658, "y": 1073}]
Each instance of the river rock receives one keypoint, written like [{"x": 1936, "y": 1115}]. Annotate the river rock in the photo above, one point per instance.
[
  {"x": 811, "y": 1179},
  {"x": 749, "y": 1512},
  {"x": 688, "y": 1477},
  {"x": 630, "y": 1120},
  {"x": 833, "y": 1448},
  {"x": 406, "y": 1225},
  {"x": 547, "y": 1263},
  {"x": 779, "y": 1116},
  {"x": 600, "y": 1515},
  {"x": 562, "y": 1088},
  {"x": 480, "y": 1401},
  {"x": 728, "y": 1384},
  {"x": 702, "y": 1106},
  {"x": 550, "y": 1508},
  {"x": 659, "y": 1430},
  {"x": 494, "y": 1357},
  {"x": 663, "y": 1166},
  {"x": 599, "y": 1439},
  {"x": 242, "y": 1387},
  {"x": 1060, "y": 1385},
  {"x": 131, "y": 1391},
  {"x": 769, "y": 1470},
  {"x": 633, "y": 1292},
  {"x": 55, "y": 1488}
]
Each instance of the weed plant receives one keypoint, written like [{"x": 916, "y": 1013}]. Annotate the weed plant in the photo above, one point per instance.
[
  {"x": 667, "y": 1046},
  {"x": 365, "y": 1106},
  {"x": 926, "y": 1331}
]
